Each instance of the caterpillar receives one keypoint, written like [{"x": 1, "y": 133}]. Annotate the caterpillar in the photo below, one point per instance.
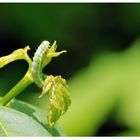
[{"x": 37, "y": 63}]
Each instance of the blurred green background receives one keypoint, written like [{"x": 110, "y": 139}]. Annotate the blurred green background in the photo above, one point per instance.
[{"x": 102, "y": 64}]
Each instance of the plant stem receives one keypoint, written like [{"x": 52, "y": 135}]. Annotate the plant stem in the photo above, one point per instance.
[{"x": 20, "y": 86}]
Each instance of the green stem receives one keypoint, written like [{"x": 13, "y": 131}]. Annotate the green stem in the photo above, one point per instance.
[{"x": 20, "y": 86}]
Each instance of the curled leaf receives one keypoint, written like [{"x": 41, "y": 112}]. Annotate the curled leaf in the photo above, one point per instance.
[
  {"x": 59, "y": 97},
  {"x": 15, "y": 55}
]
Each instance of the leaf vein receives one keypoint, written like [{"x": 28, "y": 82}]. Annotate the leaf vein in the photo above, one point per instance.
[{"x": 3, "y": 129}]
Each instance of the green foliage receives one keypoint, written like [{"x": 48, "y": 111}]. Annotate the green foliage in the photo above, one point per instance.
[
  {"x": 98, "y": 28},
  {"x": 58, "y": 91}
]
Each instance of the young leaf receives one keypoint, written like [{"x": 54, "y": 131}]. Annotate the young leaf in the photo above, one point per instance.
[
  {"x": 50, "y": 53},
  {"x": 15, "y": 123},
  {"x": 59, "y": 97},
  {"x": 15, "y": 55}
]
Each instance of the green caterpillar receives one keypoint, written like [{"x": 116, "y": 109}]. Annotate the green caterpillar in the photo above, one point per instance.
[{"x": 37, "y": 63}]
